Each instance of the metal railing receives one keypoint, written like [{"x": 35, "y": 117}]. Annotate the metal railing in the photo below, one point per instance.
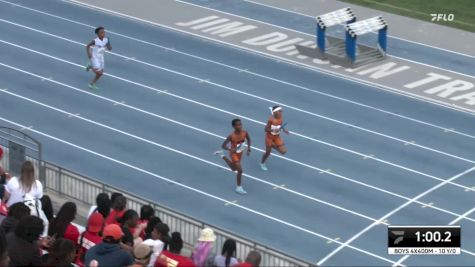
[{"x": 85, "y": 189}]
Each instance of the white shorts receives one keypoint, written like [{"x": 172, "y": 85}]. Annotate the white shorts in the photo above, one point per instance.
[{"x": 97, "y": 63}]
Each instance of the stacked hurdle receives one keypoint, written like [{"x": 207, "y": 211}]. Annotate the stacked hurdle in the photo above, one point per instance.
[
  {"x": 353, "y": 30},
  {"x": 325, "y": 21},
  {"x": 345, "y": 51}
]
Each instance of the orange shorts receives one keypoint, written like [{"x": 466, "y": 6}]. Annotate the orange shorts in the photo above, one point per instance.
[
  {"x": 235, "y": 157},
  {"x": 273, "y": 140}
]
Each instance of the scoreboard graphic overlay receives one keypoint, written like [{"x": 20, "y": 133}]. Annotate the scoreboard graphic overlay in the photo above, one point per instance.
[{"x": 424, "y": 240}]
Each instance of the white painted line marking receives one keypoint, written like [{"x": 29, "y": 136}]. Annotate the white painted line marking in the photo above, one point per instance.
[
  {"x": 219, "y": 166},
  {"x": 197, "y": 191},
  {"x": 119, "y": 103},
  {"x": 389, "y": 214},
  {"x": 401, "y": 260},
  {"x": 428, "y": 205},
  {"x": 252, "y": 73}
]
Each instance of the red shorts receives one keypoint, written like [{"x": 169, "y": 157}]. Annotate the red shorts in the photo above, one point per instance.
[
  {"x": 273, "y": 140},
  {"x": 235, "y": 157}
]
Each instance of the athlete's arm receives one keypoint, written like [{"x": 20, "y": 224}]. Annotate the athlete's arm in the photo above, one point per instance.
[
  {"x": 248, "y": 139},
  {"x": 108, "y": 45},
  {"x": 268, "y": 125},
  {"x": 225, "y": 143},
  {"x": 88, "y": 48}
]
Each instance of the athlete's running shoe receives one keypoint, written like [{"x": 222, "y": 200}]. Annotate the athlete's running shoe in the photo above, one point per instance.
[
  {"x": 240, "y": 190},
  {"x": 263, "y": 167},
  {"x": 92, "y": 86},
  {"x": 88, "y": 66}
]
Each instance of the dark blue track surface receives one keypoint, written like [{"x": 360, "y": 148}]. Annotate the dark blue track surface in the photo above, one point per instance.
[{"x": 331, "y": 188}]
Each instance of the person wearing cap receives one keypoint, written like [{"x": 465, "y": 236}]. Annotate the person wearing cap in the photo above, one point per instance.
[
  {"x": 142, "y": 254},
  {"x": 90, "y": 237},
  {"x": 273, "y": 139},
  {"x": 109, "y": 252},
  {"x": 202, "y": 254},
  {"x": 173, "y": 256}
]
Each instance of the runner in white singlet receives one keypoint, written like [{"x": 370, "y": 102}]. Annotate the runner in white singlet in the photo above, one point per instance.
[{"x": 95, "y": 51}]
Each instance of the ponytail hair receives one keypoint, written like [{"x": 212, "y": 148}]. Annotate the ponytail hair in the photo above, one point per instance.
[{"x": 229, "y": 250}]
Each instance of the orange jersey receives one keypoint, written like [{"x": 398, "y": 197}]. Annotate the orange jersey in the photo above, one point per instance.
[{"x": 237, "y": 139}]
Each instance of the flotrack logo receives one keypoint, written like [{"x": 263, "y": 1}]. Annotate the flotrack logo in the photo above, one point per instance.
[{"x": 442, "y": 17}]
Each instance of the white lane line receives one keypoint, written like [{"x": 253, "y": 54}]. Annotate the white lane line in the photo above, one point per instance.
[
  {"x": 400, "y": 261},
  {"x": 135, "y": 39},
  {"x": 196, "y": 190},
  {"x": 246, "y": 175},
  {"x": 389, "y": 214},
  {"x": 386, "y": 88},
  {"x": 258, "y": 122},
  {"x": 243, "y": 93},
  {"x": 77, "y": 116},
  {"x": 313, "y": 36},
  {"x": 392, "y": 36}
]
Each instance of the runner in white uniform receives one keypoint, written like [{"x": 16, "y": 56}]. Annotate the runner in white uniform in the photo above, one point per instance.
[{"x": 95, "y": 51}]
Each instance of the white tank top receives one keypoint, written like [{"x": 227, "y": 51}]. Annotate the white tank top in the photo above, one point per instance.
[{"x": 99, "y": 47}]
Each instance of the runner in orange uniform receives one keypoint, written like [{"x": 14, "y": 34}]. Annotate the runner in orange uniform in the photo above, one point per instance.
[
  {"x": 273, "y": 139},
  {"x": 236, "y": 150}
]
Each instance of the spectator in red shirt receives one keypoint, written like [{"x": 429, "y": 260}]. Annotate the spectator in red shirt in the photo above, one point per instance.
[
  {"x": 173, "y": 257},
  {"x": 61, "y": 226},
  {"x": 118, "y": 209},
  {"x": 90, "y": 237},
  {"x": 253, "y": 259},
  {"x": 103, "y": 205}
]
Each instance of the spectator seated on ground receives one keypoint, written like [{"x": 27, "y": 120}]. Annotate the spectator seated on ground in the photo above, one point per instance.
[
  {"x": 61, "y": 253},
  {"x": 24, "y": 245},
  {"x": 173, "y": 256},
  {"x": 109, "y": 252},
  {"x": 103, "y": 205},
  {"x": 228, "y": 254},
  {"x": 15, "y": 213},
  {"x": 90, "y": 237},
  {"x": 142, "y": 255},
  {"x": 202, "y": 254},
  {"x": 118, "y": 210},
  {"x": 61, "y": 226},
  {"x": 253, "y": 259}
]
